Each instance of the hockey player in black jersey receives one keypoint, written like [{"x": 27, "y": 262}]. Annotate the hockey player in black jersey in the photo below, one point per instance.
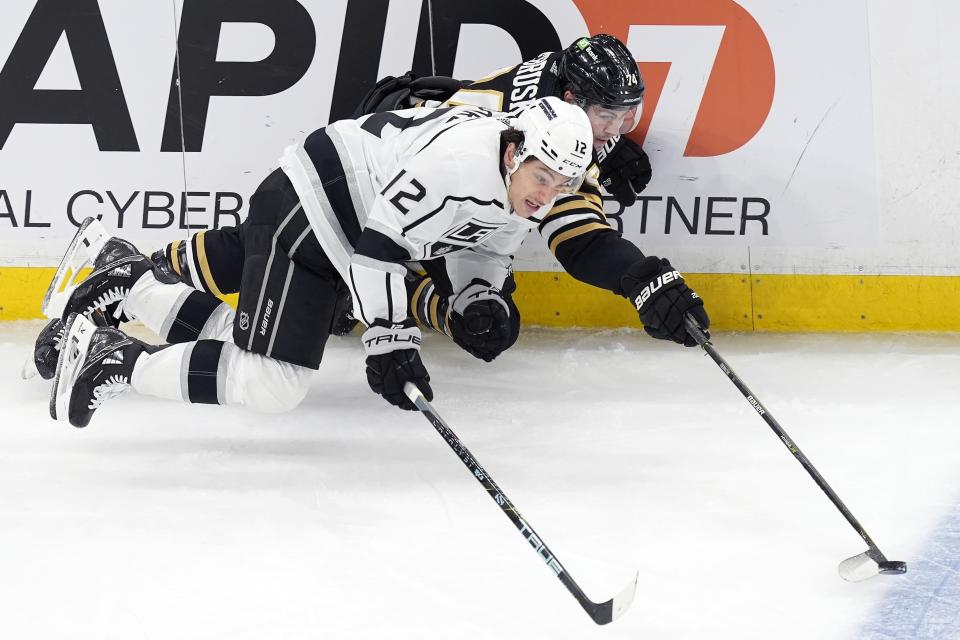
[{"x": 350, "y": 206}]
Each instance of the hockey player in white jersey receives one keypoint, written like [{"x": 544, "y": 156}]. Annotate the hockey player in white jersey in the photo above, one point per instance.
[{"x": 350, "y": 206}]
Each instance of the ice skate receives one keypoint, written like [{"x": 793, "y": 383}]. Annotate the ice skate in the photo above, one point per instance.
[
  {"x": 95, "y": 365},
  {"x": 117, "y": 265}
]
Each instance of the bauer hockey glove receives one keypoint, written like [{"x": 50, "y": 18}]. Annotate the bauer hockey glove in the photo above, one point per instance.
[
  {"x": 662, "y": 299},
  {"x": 483, "y": 320},
  {"x": 624, "y": 170},
  {"x": 393, "y": 359}
]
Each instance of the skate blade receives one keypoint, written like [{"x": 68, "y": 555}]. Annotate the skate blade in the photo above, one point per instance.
[
  {"x": 29, "y": 369},
  {"x": 83, "y": 250},
  {"x": 78, "y": 333}
]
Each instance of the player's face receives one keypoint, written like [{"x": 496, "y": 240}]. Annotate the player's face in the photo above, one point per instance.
[
  {"x": 608, "y": 122},
  {"x": 533, "y": 186}
]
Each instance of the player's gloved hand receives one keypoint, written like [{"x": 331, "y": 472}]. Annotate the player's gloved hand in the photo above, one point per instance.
[
  {"x": 662, "y": 299},
  {"x": 625, "y": 170},
  {"x": 482, "y": 320},
  {"x": 393, "y": 359}
]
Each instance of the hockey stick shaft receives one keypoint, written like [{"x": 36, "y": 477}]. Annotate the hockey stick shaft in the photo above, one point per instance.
[
  {"x": 601, "y": 613},
  {"x": 704, "y": 341}
]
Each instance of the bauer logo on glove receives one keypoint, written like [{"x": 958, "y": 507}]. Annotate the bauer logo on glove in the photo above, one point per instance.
[{"x": 655, "y": 286}]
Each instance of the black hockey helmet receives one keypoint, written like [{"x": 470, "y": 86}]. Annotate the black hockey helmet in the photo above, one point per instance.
[{"x": 601, "y": 70}]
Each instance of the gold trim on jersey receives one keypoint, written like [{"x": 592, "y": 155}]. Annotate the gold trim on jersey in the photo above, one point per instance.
[
  {"x": 415, "y": 301},
  {"x": 175, "y": 256},
  {"x": 434, "y": 305},
  {"x": 593, "y": 198},
  {"x": 579, "y": 231},
  {"x": 495, "y": 74},
  {"x": 205, "y": 266},
  {"x": 456, "y": 103},
  {"x": 574, "y": 203}
]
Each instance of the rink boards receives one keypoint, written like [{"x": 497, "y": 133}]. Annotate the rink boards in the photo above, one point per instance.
[
  {"x": 794, "y": 184},
  {"x": 761, "y": 302}
]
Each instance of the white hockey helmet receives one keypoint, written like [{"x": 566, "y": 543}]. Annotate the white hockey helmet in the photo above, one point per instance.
[{"x": 559, "y": 135}]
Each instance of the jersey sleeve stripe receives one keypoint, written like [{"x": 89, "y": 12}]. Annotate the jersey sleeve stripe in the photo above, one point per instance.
[
  {"x": 175, "y": 256},
  {"x": 573, "y": 233},
  {"x": 576, "y": 224},
  {"x": 566, "y": 221},
  {"x": 434, "y": 305},
  {"x": 389, "y": 298},
  {"x": 379, "y": 265},
  {"x": 573, "y": 203},
  {"x": 416, "y": 301},
  {"x": 205, "y": 265},
  {"x": 353, "y": 285}
]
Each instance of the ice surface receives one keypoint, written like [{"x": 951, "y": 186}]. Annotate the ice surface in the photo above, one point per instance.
[{"x": 349, "y": 519}]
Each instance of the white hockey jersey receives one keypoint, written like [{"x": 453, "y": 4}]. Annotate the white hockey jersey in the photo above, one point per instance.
[{"x": 422, "y": 183}]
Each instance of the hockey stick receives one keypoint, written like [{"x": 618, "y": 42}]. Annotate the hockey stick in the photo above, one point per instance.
[
  {"x": 601, "y": 613},
  {"x": 854, "y": 569}
]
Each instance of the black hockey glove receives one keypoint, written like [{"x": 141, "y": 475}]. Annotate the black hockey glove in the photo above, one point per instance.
[
  {"x": 624, "y": 170},
  {"x": 483, "y": 320},
  {"x": 662, "y": 299},
  {"x": 393, "y": 359}
]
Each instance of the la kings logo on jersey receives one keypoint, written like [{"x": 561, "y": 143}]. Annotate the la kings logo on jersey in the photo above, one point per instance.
[{"x": 466, "y": 235}]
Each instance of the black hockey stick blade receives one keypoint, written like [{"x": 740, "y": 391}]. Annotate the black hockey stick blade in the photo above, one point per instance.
[
  {"x": 612, "y": 609},
  {"x": 602, "y": 612},
  {"x": 869, "y": 564}
]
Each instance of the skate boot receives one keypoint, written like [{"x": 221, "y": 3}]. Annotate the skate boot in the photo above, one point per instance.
[
  {"x": 117, "y": 265},
  {"x": 46, "y": 351},
  {"x": 117, "y": 268},
  {"x": 95, "y": 365}
]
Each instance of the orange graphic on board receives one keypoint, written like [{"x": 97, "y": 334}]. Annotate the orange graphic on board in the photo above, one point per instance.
[{"x": 739, "y": 92}]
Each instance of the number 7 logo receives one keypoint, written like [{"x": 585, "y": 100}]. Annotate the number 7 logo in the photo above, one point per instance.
[{"x": 713, "y": 52}]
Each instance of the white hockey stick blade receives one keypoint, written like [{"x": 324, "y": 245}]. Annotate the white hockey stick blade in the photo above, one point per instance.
[
  {"x": 77, "y": 336},
  {"x": 623, "y": 600},
  {"x": 859, "y": 568},
  {"x": 868, "y": 564},
  {"x": 83, "y": 250}
]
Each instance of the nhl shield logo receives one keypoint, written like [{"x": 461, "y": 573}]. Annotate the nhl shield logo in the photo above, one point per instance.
[{"x": 244, "y": 321}]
